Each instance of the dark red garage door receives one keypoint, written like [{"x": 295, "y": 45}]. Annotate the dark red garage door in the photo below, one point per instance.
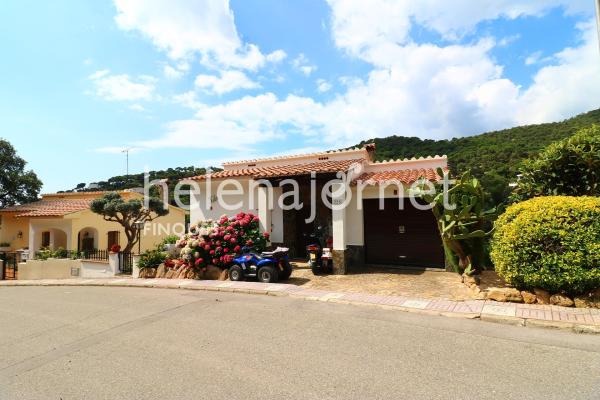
[{"x": 401, "y": 237}]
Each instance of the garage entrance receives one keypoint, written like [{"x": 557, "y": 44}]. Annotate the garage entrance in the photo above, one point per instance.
[{"x": 407, "y": 237}]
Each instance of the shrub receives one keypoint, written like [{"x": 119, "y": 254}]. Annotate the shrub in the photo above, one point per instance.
[
  {"x": 570, "y": 167},
  {"x": 171, "y": 239},
  {"x": 151, "y": 259},
  {"x": 217, "y": 242},
  {"x": 551, "y": 243},
  {"x": 115, "y": 248}
]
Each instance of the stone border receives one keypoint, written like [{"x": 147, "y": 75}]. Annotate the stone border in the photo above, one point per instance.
[{"x": 579, "y": 320}]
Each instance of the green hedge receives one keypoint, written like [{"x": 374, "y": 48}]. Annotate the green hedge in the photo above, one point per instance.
[{"x": 551, "y": 243}]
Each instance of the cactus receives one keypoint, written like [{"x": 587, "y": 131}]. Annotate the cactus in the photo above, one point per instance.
[{"x": 462, "y": 229}]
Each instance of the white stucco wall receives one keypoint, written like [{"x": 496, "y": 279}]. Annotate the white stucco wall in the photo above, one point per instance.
[{"x": 204, "y": 206}]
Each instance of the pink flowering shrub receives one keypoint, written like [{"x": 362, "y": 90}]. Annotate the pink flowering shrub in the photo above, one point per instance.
[{"x": 218, "y": 242}]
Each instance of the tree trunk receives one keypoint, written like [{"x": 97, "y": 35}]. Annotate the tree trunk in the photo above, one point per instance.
[{"x": 132, "y": 239}]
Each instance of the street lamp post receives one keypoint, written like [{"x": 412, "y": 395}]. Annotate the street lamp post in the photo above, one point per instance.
[{"x": 139, "y": 226}]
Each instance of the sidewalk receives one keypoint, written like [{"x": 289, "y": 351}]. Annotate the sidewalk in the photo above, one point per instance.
[{"x": 581, "y": 320}]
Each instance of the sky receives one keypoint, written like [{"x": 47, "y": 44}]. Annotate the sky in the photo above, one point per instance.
[{"x": 200, "y": 82}]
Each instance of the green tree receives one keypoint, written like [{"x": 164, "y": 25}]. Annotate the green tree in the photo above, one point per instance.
[
  {"x": 17, "y": 186},
  {"x": 462, "y": 226},
  {"x": 570, "y": 167},
  {"x": 496, "y": 154},
  {"x": 114, "y": 208}
]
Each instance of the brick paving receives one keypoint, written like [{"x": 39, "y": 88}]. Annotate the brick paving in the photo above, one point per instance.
[{"x": 578, "y": 319}]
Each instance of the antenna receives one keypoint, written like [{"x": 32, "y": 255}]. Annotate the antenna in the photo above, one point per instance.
[{"x": 126, "y": 151}]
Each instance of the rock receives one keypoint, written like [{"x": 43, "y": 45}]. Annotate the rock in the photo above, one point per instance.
[
  {"x": 543, "y": 297},
  {"x": 528, "y": 297},
  {"x": 470, "y": 280},
  {"x": 504, "y": 294},
  {"x": 581, "y": 302},
  {"x": 170, "y": 273},
  {"x": 561, "y": 300},
  {"x": 224, "y": 275},
  {"x": 182, "y": 272},
  {"x": 147, "y": 273},
  {"x": 161, "y": 271},
  {"x": 212, "y": 273},
  {"x": 593, "y": 299},
  {"x": 178, "y": 271},
  {"x": 191, "y": 274}
]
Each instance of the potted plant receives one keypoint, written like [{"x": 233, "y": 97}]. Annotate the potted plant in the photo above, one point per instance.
[{"x": 4, "y": 246}]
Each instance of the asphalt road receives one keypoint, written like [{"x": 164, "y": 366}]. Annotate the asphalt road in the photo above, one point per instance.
[{"x": 130, "y": 343}]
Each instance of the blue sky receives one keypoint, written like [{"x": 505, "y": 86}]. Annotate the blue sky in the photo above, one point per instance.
[{"x": 201, "y": 82}]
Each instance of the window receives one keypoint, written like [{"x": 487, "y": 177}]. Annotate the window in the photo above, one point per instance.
[
  {"x": 113, "y": 238},
  {"x": 45, "y": 239}
]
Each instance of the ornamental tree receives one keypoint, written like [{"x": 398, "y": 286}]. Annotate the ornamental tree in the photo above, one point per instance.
[
  {"x": 570, "y": 167},
  {"x": 114, "y": 208},
  {"x": 17, "y": 186}
]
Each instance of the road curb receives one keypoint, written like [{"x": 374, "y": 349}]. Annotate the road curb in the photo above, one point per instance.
[{"x": 483, "y": 310}]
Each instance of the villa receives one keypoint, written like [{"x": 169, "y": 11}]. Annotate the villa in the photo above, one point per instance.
[
  {"x": 64, "y": 220},
  {"x": 361, "y": 233}
]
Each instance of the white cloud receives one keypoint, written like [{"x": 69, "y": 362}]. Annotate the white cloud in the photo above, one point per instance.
[
  {"x": 276, "y": 56},
  {"x": 533, "y": 58},
  {"x": 242, "y": 124},
  {"x": 568, "y": 87},
  {"x": 172, "y": 72},
  {"x": 183, "y": 28},
  {"x": 137, "y": 107},
  {"x": 323, "y": 86},
  {"x": 227, "y": 82},
  {"x": 188, "y": 99},
  {"x": 359, "y": 26},
  {"x": 302, "y": 64},
  {"x": 413, "y": 89},
  {"x": 122, "y": 87}
]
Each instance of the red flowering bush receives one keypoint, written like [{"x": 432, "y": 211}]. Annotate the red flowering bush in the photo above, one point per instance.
[
  {"x": 115, "y": 248},
  {"x": 218, "y": 242}
]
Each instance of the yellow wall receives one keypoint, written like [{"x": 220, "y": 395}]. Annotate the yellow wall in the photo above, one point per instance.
[
  {"x": 10, "y": 228},
  {"x": 152, "y": 236},
  {"x": 156, "y": 231}
]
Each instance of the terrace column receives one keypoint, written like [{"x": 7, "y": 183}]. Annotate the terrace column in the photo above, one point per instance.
[
  {"x": 32, "y": 240},
  {"x": 264, "y": 209},
  {"x": 339, "y": 222}
]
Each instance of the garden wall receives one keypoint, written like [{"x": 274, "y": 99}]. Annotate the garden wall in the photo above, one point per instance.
[
  {"x": 55, "y": 268},
  {"x": 49, "y": 269}
]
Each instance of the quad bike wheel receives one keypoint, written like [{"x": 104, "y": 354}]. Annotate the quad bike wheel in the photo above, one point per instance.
[
  {"x": 236, "y": 273},
  {"x": 267, "y": 274},
  {"x": 286, "y": 272}
]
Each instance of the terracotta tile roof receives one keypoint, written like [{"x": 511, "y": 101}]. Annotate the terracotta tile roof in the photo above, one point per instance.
[
  {"x": 404, "y": 176},
  {"x": 331, "y": 166},
  {"x": 50, "y": 208},
  {"x": 367, "y": 147}
]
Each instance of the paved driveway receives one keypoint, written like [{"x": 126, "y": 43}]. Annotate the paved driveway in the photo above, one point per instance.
[{"x": 129, "y": 343}]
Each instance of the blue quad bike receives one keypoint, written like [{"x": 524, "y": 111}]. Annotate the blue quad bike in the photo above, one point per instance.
[{"x": 267, "y": 267}]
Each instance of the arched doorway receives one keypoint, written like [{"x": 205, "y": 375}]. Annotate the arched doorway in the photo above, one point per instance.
[{"x": 87, "y": 239}]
